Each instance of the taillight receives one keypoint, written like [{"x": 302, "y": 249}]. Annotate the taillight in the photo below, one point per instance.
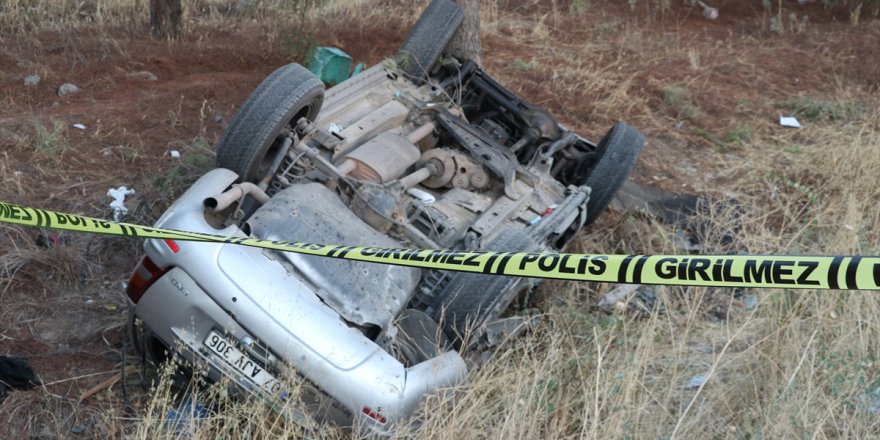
[
  {"x": 145, "y": 274},
  {"x": 172, "y": 245},
  {"x": 374, "y": 415}
]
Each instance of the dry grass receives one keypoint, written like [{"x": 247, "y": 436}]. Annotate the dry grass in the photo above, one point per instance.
[
  {"x": 797, "y": 364},
  {"x": 64, "y": 15}
]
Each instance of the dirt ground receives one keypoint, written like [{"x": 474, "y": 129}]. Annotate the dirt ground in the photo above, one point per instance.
[{"x": 62, "y": 307}]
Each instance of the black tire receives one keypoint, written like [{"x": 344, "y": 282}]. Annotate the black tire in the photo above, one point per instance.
[
  {"x": 285, "y": 96},
  {"x": 145, "y": 343},
  {"x": 607, "y": 168},
  {"x": 470, "y": 299},
  {"x": 429, "y": 37}
]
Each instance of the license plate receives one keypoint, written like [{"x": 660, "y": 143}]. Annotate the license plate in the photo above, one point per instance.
[{"x": 241, "y": 362}]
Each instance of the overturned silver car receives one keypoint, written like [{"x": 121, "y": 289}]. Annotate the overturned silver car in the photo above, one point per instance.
[{"x": 417, "y": 153}]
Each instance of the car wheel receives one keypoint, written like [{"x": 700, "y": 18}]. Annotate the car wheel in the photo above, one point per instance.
[
  {"x": 469, "y": 300},
  {"x": 429, "y": 37},
  {"x": 607, "y": 168},
  {"x": 145, "y": 343},
  {"x": 256, "y": 134}
]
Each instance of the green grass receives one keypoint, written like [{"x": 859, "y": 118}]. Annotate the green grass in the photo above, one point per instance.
[
  {"x": 520, "y": 64},
  {"x": 678, "y": 99},
  {"x": 813, "y": 110},
  {"x": 194, "y": 161},
  {"x": 50, "y": 142},
  {"x": 739, "y": 135}
]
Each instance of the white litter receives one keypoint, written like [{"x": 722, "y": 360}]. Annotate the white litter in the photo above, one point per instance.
[
  {"x": 118, "y": 203},
  {"x": 174, "y": 153},
  {"x": 697, "y": 381},
  {"x": 79, "y": 126},
  {"x": 789, "y": 121},
  {"x": 708, "y": 11}
]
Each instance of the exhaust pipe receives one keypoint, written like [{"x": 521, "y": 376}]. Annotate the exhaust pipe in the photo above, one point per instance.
[{"x": 234, "y": 194}]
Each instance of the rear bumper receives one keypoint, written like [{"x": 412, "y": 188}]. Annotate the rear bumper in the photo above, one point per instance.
[{"x": 182, "y": 315}]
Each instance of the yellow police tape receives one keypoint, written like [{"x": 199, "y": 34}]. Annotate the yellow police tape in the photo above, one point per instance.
[{"x": 799, "y": 272}]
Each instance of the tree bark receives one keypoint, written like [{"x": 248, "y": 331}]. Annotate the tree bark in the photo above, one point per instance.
[
  {"x": 165, "y": 18},
  {"x": 465, "y": 43}
]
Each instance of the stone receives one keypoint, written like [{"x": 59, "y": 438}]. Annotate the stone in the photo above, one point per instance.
[
  {"x": 143, "y": 75},
  {"x": 31, "y": 80},
  {"x": 67, "y": 89},
  {"x": 697, "y": 381}
]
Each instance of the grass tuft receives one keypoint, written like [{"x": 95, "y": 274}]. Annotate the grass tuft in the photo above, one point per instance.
[
  {"x": 821, "y": 111},
  {"x": 50, "y": 142}
]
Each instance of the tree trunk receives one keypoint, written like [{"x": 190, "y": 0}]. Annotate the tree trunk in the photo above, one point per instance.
[
  {"x": 465, "y": 43},
  {"x": 165, "y": 18}
]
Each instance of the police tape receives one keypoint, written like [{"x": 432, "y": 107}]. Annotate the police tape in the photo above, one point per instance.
[{"x": 770, "y": 271}]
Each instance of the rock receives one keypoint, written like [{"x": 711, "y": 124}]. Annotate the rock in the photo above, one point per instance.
[
  {"x": 751, "y": 302},
  {"x": 774, "y": 25},
  {"x": 56, "y": 48},
  {"x": 668, "y": 207},
  {"x": 143, "y": 75},
  {"x": 620, "y": 293},
  {"x": 87, "y": 10},
  {"x": 708, "y": 11},
  {"x": 872, "y": 401},
  {"x": 684, "y": 241},
  {"x": 631, "y": 298},
  {"x": 31, "y": 80},
  {"x": 501, "y": 330},
  {"x": 16, "y": 374},
  {"x": 51, "y": 240},
  {"x": 14, "y": 131},
  {"x": 67, "y": 89},
  {"x": 692, "y": 213},
  {"x": 245, "y": 5},
  {"x": 697, "y": 381}
]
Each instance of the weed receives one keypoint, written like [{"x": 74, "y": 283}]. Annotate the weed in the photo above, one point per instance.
[
  {"x": 705, "y": 134},
  {"x": 127, "y": 154},
  {"x": 194, "y": 161},
  {"x": 298, "y": 45},
  {"x": 807, "y": 191},
  {"x": 578, "y": 6},
  {"x": 50, "y": 142},
  {"x": 820, "y": 111},
  {"x": 298, "y": 42},
  {"x": 174, "y": 119},
  {"x": 679, "y": 100},
  {"x": 608, "y": 27},
  {"x": 856, "y": 7},
  {"x": 801, "y": 188},
  {"x": 169, "y": 184},
  {"x": 199, "y": 157},
  {"x": 740, "y": 135},
  {"x": 519, "y": 64}
]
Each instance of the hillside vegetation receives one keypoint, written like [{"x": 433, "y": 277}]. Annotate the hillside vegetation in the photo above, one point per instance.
[{"x": 691, "y": 363}]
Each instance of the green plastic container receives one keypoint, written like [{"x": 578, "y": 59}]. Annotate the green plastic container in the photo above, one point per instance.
[{"x": 330, "y": 64}]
